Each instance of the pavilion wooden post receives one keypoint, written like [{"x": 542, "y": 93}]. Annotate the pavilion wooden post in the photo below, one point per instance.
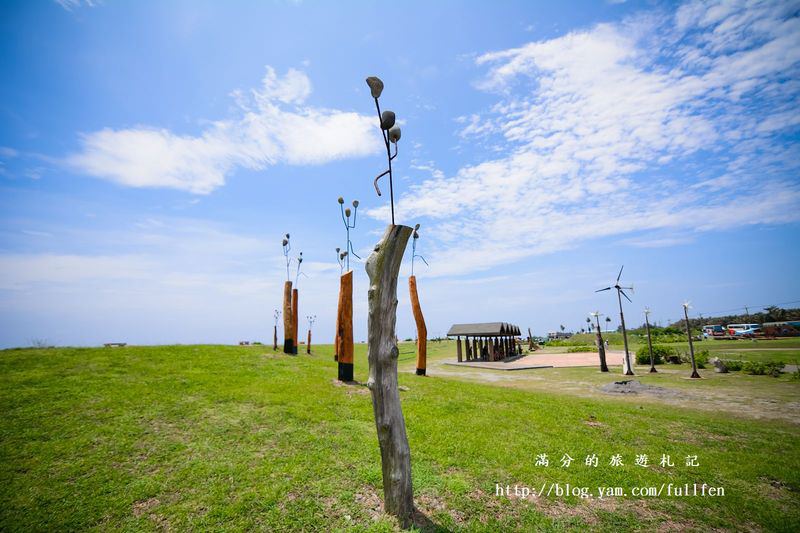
[
  {"x": 295, "y": 298},
  {"x": 344, "y": 333},
  {"x": 422, "y": 331},
  {"x": 288, "y": 328},
  {"x": 308, "y": 342},
  {"x": 383, "y": 265},
  {"x": 476, "y": 354},
  {"x": 458, "y": 348}
]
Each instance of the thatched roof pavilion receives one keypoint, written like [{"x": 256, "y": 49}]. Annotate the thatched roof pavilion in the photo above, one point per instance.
[{"x": 492, "y": 341}]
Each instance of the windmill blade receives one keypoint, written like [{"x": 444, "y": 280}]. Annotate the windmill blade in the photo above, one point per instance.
[
  {"x": 601, "y": 290},
  {"x": 625, "y": 295},
  {"x": 620, "y": 273}
]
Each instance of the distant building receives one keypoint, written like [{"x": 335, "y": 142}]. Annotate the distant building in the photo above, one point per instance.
[{"x": 555, "y": 335}]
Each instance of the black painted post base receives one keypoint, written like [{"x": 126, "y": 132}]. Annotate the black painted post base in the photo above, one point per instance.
[
  {"x": 345, "y": 371},
  {"x": 288, "y": 346},
  {"x": 420, "y": 371}
]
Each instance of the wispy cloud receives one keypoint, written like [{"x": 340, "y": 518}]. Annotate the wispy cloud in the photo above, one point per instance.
[
  {"x": 664, "y": 121},
  {"x": 272, "y": 125},
  {"x": 69, "y": 5}
]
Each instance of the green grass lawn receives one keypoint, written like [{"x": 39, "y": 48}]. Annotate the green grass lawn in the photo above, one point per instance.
[{"x": 242, "y": 438}]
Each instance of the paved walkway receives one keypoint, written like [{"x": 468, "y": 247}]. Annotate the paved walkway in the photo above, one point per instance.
[{"x": 547, "y": 360}]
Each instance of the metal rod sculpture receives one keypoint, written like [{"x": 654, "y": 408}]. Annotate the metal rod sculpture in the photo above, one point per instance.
[
  {"x": 383, "y": 267},
  {"x": 390, "y": 133},
  {"x": 311, "y": 319},
  {"x": 601, "y": 349},
  {"x": 275, "y": 331},
  {"x": 288, "y": 328},
  {"x": 628, "y": 367},
  {"x": 686, "y": 306},
  {"x": 419, "y": 319},
  {"x": 649, "y": 340},
  {"x": 343, "y": 351},
  {"x": 296, "y": 303}
]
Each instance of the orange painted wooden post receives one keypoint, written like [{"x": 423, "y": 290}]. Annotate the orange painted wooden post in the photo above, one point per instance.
[
  {"x": 422, "y": 331},
  {"x": 458, "y": 348},
  {"x": 338, "y": 314},
  {"x": 275, "y": 337},
  {"x": 288, "y": 340},
  {"x": 345, "y": 321},
  {"x": 308, "y": 343},
  {"x": 295, "y": 298}
]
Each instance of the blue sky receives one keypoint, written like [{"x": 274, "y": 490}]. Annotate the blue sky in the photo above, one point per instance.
[{"x": 152, "y": 155}]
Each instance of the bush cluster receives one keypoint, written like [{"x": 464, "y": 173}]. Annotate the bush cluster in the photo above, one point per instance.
[
  {"x": 660, "y": 354},
  {"x": 583, "y": 348},
  {"x": 757, "y": 368}
]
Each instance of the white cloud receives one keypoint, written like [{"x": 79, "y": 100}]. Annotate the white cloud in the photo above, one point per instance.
[
  {"x": 273, "y": 126},
  {"x": 663, "y": 121},
  {"x": 69, "y": 5}
]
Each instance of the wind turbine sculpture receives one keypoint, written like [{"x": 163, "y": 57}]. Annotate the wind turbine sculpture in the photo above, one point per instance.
[{"x": 620, "y": 293}]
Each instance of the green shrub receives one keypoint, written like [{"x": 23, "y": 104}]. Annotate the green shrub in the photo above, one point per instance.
[
  {"x": 585, "y": 348},
  {"x": 660, "y": 354},
  {"x": 758, "y": 368},
  {"x": 755, "y": 368},
  {"x": 733, "y": 365},
  {"x": 701, "y": 358}
]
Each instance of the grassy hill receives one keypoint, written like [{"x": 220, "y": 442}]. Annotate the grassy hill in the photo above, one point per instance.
[{"x": 242, "y": 438}]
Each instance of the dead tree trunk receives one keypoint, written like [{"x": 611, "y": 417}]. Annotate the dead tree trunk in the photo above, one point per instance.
[
  {"x": 288, "y": 340},
  {"x": 383, "y": 266},
  {"x": 345, "y": 331},
  {"x": 422, "y": 331},
  {"x": 296, "y": 339}
]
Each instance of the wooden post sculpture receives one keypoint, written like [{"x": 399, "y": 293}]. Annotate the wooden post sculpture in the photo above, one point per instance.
[
  {"x": 344, "y": 320},
  {"x": 288, "y": 328},
  {"x": 601, "y": 348},
  {"x": 340, "y": 258},
  {"x": 295, "y": 298},
  {"x": 649, "y": 341},
  {"x": 311, "y": 319},
  {"x": 422, "y": 330},
  {"x": 275, "y": 331},
  {"x": 288, "y": 341},
  {"x": 344, "y": 311},
  {"x": 530, "y": 340},
  {"x": 686, "y": 306},
  {"x": 383, "y": 266}
]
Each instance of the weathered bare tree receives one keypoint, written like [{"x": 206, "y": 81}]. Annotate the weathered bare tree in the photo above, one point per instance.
[{"x": 383, "y": 267}]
